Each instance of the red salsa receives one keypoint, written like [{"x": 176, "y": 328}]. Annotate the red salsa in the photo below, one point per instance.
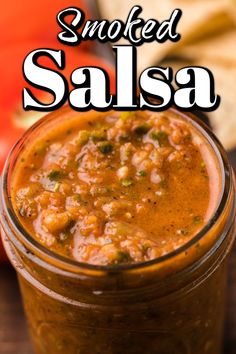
[{"x": 115, "y": 188}]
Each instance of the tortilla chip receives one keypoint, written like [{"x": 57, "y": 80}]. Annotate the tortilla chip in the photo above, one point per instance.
[
  {"x": 232, "y": 9},
  {"x": 221, "y": 48},
  {"x": 199, "y": 19},
  {"x": 223, "y": 119},
  {"x": 175, "y": 64}
]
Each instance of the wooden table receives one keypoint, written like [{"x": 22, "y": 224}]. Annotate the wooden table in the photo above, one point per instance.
[{"x": 13, "y": 333}]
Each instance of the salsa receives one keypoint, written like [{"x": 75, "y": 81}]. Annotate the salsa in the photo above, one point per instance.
[
  {"x": 90, "y": 203},
  {"x": 116, "y": 188}
]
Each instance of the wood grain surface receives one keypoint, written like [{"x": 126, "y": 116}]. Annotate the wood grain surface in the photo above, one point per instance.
[{"x": 13, "y": 331}]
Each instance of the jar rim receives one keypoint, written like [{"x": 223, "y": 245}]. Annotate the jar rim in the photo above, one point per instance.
[{"x": 7, "y": 208}]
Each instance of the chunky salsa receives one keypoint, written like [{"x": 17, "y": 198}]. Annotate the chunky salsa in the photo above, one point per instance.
[{"x": 116, "y": 188}]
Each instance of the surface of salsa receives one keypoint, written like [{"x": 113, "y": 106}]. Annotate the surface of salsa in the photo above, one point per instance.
[{"x": 116, "y": 188}]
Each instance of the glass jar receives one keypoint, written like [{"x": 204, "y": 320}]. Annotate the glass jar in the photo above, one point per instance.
[{"x": 171, "y": 305}]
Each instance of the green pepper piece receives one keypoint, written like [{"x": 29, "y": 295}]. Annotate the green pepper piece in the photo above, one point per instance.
[
  {"x": 197, "y": 219},
  {"x": 160, "y": 136},
  {"x": 125, "y": 115},
  {"x": 127, "y": 182},
  {"x": 142, "y": 129},
  {"x": 105, "y": 147},
  {"x": 56, "y": 175},
  {"x": 141, "y": 173},
  {"x": 83, "y": 137},
  {"x": 98, "y": 135},
  {"x": 123, "y": 257}
]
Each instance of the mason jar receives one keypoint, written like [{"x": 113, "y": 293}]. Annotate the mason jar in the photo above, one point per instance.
[{"x": 171, "y": 305}]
